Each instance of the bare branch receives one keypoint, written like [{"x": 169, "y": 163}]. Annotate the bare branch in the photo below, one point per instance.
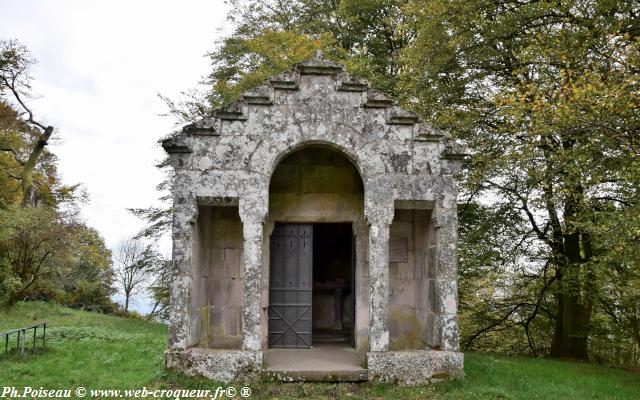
[{"x": 12, "y": 87}]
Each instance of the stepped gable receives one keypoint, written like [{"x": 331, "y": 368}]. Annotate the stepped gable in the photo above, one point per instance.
[{"x": 289, "y": 81}]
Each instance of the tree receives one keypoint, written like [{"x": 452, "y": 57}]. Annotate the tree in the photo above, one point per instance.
[
  {"x": 15, "y": 63},
  {"x": 545, "y": 93},
  {"x": 89, "y": 278},
  {"x": 132, "y": 261},
  {"x": 160, "y": 288},
  {"x": 33, "y": 243}
]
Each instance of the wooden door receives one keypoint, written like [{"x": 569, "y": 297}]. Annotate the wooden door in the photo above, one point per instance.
[{"x": 290, "y": 286}]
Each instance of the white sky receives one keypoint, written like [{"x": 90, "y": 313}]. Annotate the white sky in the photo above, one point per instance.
[{"x": 100, "y": 67}]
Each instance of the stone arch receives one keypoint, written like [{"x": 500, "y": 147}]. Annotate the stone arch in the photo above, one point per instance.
[
  {"x": 349, "y": 154},
  {"x": 332, "y": 201}
]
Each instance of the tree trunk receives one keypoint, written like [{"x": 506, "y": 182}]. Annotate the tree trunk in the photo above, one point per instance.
[
  {"x": 126, "y": 303},
  {"x": 28, "y": 191},
  {"x": 573, "y": 316},
  {"x": 13, "y": 299},
  {"x": 571, "y": 332}
]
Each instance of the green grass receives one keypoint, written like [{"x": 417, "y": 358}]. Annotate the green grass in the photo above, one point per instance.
[
  {"x": 83, "y": 348},
  {"x": 102, "y": 351}
]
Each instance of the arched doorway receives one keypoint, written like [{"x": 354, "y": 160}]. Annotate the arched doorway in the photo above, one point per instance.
[{"x": 315, "y": 212}]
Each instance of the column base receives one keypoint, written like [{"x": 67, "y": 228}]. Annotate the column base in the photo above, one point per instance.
[
  {"x": 414, "y": 367},
  {"x": 220, "y": 365}
]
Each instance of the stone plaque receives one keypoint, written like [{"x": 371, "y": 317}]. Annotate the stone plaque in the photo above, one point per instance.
[{"x": 398, "y": 250}]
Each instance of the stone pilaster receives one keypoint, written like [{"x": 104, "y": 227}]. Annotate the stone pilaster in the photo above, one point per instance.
[
  {"x": 380, "y": 217},
  {"x": 252, "y": 227},
  {"x": 446, "y": 277},
  {"x": 185, "y": 213}
]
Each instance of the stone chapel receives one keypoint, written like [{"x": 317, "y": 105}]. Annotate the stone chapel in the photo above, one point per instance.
[{"x": 314, "y": 237}]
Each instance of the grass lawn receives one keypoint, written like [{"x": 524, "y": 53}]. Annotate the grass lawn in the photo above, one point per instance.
[{"x": 102, "y": 351}]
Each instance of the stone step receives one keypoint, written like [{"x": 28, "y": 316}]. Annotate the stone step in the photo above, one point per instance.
[
  {"x": 322, "y": 363},
  {"x": 316, "y": 376}
]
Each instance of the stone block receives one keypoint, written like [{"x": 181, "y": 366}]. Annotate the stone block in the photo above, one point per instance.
[
  {"x": 403, "y": 215},
  {"x": 402, "y": 292},
  {"x": 234, "y": 289},
  {"x": 402, "y": 230},
  {"x": 226, "y": 292},
  {"x": 417, "y": 367},
  {"x": 447, "y": 325},
  {"x": 216, "y": 315},
  {"x": 420, "y": 262},
  {"x": 433, "y": 294},
  {"x": 403, "y": 328},
  {"x": 422, "y": 294},
  {"x": 226, "y": 233},
  {"x": 329, "y": 179},
  {"x": 432, "y": 336},
  {"x": 231, "y": 321},
  {"x": 221, "y": 365},
  {"x": 286, "y": 180},
  {"x": 432, "y": 262},
  {"x": 232, "y": 263},
  {"x": 216, "y": 262},
  {"x": 446, "y": 295}
]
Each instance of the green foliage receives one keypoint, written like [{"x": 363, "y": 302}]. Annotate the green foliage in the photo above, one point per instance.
[
  {"x": 160, "y": 289},
  {"x": 499, "y": 305},
  {"x": 257, "y": 58},
  {"x": 74, "y": 333},
  {"x": 16, "y": 135},
  {"x": 15, "y": 87},
  {"x": 88, "y": 282},
  {"x": 46, "y": 255},
  {"x": 545, "y": 93},
  {"x": 33, "y": 241}
]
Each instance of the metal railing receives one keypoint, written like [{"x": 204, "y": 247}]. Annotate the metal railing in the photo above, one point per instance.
[{"x": 22, "y": 334}]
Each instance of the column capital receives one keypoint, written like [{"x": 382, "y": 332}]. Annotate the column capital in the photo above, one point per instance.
[
  {"x": 379, "y": 212},
  {"x": 448, "y": 197},
  {"x": 185, "y": 208},
  {"x": 253, "y": 210}
]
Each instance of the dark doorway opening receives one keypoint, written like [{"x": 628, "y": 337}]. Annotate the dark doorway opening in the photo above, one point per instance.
[{"x": 333, "y": 284}]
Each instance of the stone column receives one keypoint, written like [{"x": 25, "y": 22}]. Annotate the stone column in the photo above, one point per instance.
[
  {"x": 446, "y": 285},
  {"x": 185, "y": 213},
  {"x": 380, "y": 217},
  {"x": 252, "y": 227}
]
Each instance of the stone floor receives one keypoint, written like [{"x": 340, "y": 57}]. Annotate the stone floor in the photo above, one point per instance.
[{"x": 323, "y": 362}]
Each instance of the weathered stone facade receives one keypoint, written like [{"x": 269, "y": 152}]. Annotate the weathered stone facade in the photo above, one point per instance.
[{"x": 224, "y": 212}]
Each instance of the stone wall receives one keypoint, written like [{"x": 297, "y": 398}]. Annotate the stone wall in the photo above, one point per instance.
[
  {"x": 218, "y": 281},
  {"x": 409, "y": 281}
]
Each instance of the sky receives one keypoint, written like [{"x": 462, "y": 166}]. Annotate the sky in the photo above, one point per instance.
[{"x": 101, "y": 66}]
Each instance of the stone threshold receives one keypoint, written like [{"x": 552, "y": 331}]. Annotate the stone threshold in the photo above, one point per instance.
[{"x": 322, "y": 363}]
